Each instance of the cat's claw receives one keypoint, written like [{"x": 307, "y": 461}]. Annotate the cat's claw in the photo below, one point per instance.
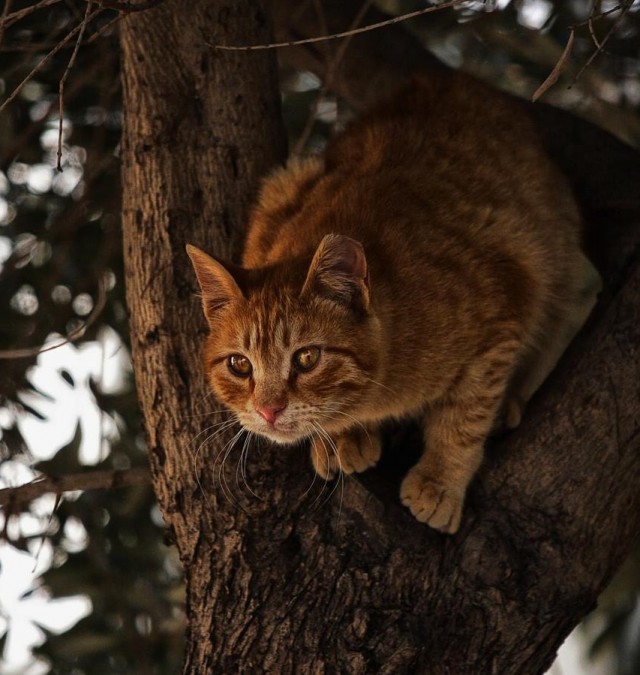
[
  {"x": 349, "y": 452},
  {"x": 431, "y": 502},
  {"x": 513, "y": 411}
]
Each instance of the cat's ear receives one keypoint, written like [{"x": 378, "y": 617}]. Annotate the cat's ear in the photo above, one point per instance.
[
  {"x": 339, "y": 271},
  {"x": 216, "y": 282}
]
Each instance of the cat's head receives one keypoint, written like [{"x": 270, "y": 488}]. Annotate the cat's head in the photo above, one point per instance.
[{"x": 292, "y": 347}]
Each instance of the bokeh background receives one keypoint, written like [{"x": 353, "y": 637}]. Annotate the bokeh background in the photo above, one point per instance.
[{"x": 87, "y": 582}]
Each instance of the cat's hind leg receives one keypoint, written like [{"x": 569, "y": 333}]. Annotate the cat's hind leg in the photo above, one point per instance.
[
  {"x": 540, "y": 361},
  {"x": 351, "y": 451}
]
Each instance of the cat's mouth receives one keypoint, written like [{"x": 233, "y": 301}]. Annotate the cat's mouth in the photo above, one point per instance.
[
  {"x": 284, "y": 433},
  {"x": 291, "y": 430}
]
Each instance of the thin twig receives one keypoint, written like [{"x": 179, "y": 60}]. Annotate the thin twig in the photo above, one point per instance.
[
  {"x": 77, "y": 83},
  {"x": 102, "y": 29},
  {"x": 553, "y": 76},
  {"x": 63, "y": 79},
  {"x": 625, "y": 7},
  {"x": 5, "y": 11},
  {"x": 336, "y": 36},
  {"x": 89, "y": 480},
  {"x": 322, "y": 17},
  {"x": 124, "y": 7},
  {"x": 11, "y": 18},
  {"x": 313, "y": 110},
  {"x": 46, "y": 59},
  {"x": 617, "y": 8},
  {"x": 127, "y": 7},
  {"x": 43, "y": 537},
  {"x": 74, "y": 335},
  {"x": 18, "y": 142},
  {"x": 596, "y": 42},
  {"x": 566, "y": 53},
  {"x": 332, "y": 69}
]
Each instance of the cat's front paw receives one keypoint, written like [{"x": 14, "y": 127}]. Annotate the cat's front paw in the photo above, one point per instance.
[
  {"x": 350, "y": 452},
  {"x": 432, "y": 502}
]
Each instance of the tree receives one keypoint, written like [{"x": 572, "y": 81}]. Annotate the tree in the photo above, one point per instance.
[
  {"x": 303, "y": 581},
  {"x": 356, "y": 586}
]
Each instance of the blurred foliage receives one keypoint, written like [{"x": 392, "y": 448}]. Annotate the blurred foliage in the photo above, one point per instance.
[{"x": 60, "y": 236}]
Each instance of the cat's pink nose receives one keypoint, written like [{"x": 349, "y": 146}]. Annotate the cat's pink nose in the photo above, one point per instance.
[{"x": 270, "y": 412}]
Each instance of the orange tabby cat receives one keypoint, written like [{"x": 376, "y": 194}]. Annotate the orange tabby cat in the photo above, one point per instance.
[{"x": 429, "y": 265}]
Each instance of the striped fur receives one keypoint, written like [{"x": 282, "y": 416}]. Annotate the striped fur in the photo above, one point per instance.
[{"x": 450, "y": 283}]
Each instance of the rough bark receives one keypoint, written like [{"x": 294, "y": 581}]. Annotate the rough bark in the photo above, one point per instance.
[
  {"x": 309, "y": 580},
  {"x": 200, "y": 129}
]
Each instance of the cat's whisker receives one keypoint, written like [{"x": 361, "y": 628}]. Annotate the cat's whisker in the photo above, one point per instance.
[
  {"x": 384, "y": 386},
  {"x": 340, "y": 477},
  {"x": 196, "y": 454},
  {"x": 243, "y": 463},
  {"x": 222, "y": 480},
  {"x": 252, "y": 437},
  {"x": 239, "y": 463},
  {"x": 212, "y": 426},
  {"x": 222, "y": 476},
  {"x": 211, "y": 412},
  {"x": 326, "y": 409},
  {"x": 319, "y": 432},
  {"x": 221, "y": 429},
  {"x": 203, "y": 399},
  {"x": 310, "y": 430}
]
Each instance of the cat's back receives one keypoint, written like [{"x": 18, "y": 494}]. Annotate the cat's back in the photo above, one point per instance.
[
  {"x": 459, "y": 147},
  {"x": 444, "y": 157}
]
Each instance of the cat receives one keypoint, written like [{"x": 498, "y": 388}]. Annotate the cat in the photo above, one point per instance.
[{"x": 429, "y": 265}]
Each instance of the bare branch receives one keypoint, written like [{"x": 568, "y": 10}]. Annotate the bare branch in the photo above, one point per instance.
[
  {"x": 74, "y": 335},
  {"x": 327, "y": 82},
  {"x": 564, "y": 58},
  {"x": 591, "y": 19},
  {"x": 336, "y": 36},
  {"x": 87, "y": 75},
  {"x": 90, "y": 480},
  {"x": 103, "y": 29},
  {"x": 126, "y": 7},
  {"x": 557, "y": 69},
  {"x": 625, "y": 6},
  {"x": 6, "y": 9},
  {"x": 11, "y": 17},
  {"x": 596, "y": 4},
  {"x": 63, "y": 79},
  {"x": 47, "y": 58}
]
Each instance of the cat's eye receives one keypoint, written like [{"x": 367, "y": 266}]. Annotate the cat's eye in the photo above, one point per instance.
[
  {"x": 306, "y": 359},
  {"x": 239, "y": 365}
]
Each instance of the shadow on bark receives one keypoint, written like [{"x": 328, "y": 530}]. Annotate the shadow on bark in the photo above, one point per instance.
[{"x": 340, "y": 578}]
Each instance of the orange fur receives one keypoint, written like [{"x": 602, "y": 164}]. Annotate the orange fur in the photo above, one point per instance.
[{"x": 434, "y": 258}]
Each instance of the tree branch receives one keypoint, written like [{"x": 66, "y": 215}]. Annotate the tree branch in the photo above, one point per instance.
[
  {"x": 45, "y": 59},
  {"x": 13, "y": 497},
  {"x": 73, "y": 336},
  {"x": 350, "y": 32},
  {"x": 63, "y": 79},
  {"x": 126, "y": 7},
  {"x": 358, "y": 585}
]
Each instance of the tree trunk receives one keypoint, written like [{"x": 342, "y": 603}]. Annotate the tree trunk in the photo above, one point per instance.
[
  {"x": 200, "y": 129},
  {"x": 309, "y": 579}
]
